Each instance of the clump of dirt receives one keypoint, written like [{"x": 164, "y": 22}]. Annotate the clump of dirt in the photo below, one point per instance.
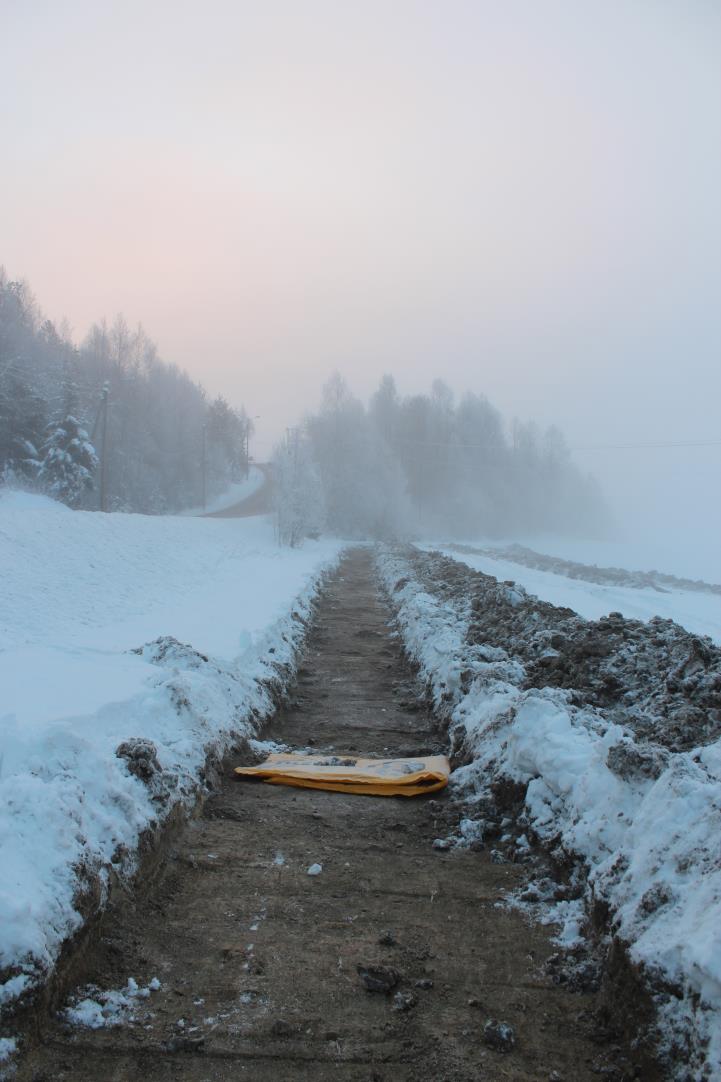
[
  {"x": 167, "y": 651},
  {"x": 141, "y": 757},
  {"x": 656, "y": 678}
]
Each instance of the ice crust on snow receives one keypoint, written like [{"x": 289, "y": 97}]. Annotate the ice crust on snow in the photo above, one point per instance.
[
  {"x": 646, "y": 827},
  {"x": 98, "y": 743}
]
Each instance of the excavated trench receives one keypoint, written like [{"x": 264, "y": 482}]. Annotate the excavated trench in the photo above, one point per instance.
[{"x": 257, "y": 961}]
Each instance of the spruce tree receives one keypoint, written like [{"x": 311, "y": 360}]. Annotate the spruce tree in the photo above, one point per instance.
[{"x": 69, "y": 462}]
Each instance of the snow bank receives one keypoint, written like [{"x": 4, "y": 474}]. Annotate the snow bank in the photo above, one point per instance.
[
  {"x": 106, "y": 718},
  {"x": 646, "y": 822}
]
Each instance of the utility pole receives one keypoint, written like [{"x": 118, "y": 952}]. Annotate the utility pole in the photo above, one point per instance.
[
  {"x": 293, "y": 441},
  {"x": 248, "y": 424},
  {"x": 204, "y": 460},
  {"x": 104, "y": 448}
]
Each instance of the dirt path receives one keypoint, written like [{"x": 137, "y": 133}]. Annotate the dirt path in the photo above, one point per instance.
[{"x": 260, "y": 959}]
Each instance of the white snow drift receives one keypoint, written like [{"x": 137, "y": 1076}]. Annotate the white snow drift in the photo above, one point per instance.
[{"x": 79, "y": 592}]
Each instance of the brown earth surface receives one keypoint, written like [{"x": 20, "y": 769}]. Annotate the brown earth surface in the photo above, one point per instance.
[{"x": 259, "y": 959}]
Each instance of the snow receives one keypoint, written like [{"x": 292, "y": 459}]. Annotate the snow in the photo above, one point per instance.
[
  {"x": 109, "y": 1008},
  {"x": 673, "y": 551},
  {"x": 8, "y": 1048},
  {"x": 698, "y": 612},
  {"x": 239, "y": 490},
  {"x": 650, "y": 844},
  {"x": 79, "y": 592},
  {"x": 691, "y": 556},
  {"x": 81, "y": 588}
]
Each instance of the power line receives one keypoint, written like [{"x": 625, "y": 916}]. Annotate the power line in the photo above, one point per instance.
[
  {"x": 659, "y": 443},
  {"x": 586, "y": 447}
]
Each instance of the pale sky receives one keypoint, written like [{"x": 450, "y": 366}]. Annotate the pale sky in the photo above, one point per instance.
[{"x": 520, "y": 197}]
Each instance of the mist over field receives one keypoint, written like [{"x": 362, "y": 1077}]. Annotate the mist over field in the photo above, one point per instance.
[{"x": 518, "y": 200}]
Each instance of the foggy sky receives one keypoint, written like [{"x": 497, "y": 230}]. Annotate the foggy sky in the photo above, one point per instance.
[{"x": 522, "y": 198}]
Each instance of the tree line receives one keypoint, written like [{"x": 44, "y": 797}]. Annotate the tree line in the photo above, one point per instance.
[
  {"x": 427, "y": 463},
  {"x": 107, "y": 423}
]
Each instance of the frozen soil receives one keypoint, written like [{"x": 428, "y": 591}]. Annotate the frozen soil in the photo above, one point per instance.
[
  {"x": 656, "y": 678},
  {"x": 264, "y": 970}
]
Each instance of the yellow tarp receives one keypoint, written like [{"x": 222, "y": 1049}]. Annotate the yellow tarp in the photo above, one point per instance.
[{"x": 349, "y": 774}]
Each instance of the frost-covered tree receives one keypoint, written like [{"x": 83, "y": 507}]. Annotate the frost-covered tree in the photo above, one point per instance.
[
  {"x": 69, "y": 462},
  {"x": 365, "y": 493},
  {"x": 23, "y": 410},
  {"x": 298, "y": 491},
  {"x": 383, "y": 411},
  {"x": 151, "y": 435},
  {"x": 227, "y": 430},
  {"x": 423, "y": 463}
]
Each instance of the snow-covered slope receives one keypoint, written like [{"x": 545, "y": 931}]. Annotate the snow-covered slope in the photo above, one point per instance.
[
  {"x": 697, "y": 611},
  {"x": 80, "y": 593}
]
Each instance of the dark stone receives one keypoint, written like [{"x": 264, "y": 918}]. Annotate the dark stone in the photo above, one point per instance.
[
  {"x": 500, "y": 1036},
  {"x": 381, "y": 979},
  {"x": 281, "y": 1028},
  {"x": 403, "y": 1001},
  {"x": 185, "y": 1044}
]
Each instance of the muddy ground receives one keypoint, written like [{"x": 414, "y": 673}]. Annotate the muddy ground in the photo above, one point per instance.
[
  {"x": 656, "y": 678},
  {"x": 258, "y": 960}
]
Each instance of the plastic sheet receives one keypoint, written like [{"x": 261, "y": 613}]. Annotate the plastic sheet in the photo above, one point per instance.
[{"x": 350, "y": 774}]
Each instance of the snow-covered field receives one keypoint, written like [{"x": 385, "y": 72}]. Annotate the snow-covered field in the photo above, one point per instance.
[
  {"x": 670, "y": 551},
  {"x": 643, "y": 821},
  {"x": 79, "y": 593},
  {"x": 696, "y": 611}
]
